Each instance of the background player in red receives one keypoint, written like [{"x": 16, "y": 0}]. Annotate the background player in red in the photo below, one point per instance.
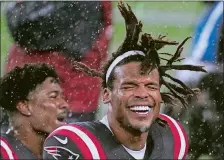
[
  {"x": 36, "y": 106},
  {"x": 57, "y": 33},
  {"x": 133, "y": 127}
]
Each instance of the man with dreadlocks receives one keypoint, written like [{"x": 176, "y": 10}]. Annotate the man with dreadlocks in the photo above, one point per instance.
[{"x": 133, "y": 127}]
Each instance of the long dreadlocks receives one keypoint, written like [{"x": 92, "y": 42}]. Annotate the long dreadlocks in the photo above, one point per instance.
[{"x": 149, "y": 46}]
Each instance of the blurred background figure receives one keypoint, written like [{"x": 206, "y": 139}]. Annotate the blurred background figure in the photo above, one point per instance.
[
  {"x": 57, "y": 33},
  {"x": 207, "y": 46},
  {"x": 205, "y": 119}
]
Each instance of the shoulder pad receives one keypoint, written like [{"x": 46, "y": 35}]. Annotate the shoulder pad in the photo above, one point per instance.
[
  {"x": 75, "y": 139},
  {"x": 6, "y": 151},
  {"x": 179, "y": 136}
]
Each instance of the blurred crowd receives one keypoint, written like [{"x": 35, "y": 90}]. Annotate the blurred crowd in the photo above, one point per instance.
[{"x": 57, "y": 33}]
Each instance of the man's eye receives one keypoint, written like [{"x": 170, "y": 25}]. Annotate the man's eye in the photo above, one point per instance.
[
  {"x": 53, "y": 96},
  {"x": 152, "y": 87},
  {"x": 127, "y": 87}
]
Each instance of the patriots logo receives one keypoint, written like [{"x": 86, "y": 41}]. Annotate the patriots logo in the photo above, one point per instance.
[{"x": 59, "y": 152}]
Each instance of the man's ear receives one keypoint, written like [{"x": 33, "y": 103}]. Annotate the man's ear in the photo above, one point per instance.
[
  {"x": 106, "y": 95},
  {"x": 23, "y": 108}
]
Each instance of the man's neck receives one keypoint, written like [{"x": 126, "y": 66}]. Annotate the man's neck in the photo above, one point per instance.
[
  {"x": 30, "y": 138},
  {"x": 134, "y": 141}
]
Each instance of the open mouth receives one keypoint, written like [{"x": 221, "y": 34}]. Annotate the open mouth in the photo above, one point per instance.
[
  {"x": 61, "y": 117},
  {"x": 141, "y": 109}
]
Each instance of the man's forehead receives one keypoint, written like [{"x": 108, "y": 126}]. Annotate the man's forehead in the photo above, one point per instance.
[
  {"x": 133, "y": 69},
  {"x": 48, "y": 84}
]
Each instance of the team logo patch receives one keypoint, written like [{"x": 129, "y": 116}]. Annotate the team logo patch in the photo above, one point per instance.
[{"x": 61, "y": 152}]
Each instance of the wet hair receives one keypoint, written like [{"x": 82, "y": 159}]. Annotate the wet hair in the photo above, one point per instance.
[
  {"x": 151, "y": 59},
  {"x": 16, "y": 85}
]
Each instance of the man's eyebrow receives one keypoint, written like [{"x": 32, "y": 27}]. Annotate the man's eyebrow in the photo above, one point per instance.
[{"x": 129, "y": 83}]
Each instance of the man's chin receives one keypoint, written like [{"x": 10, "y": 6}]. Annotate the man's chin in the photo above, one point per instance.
[
  {"x": 141, "y": 129},
  {"x": 138, "y": 128},
  {"x": 144, "y": 129},
  {"x": 143, "y": 125}
]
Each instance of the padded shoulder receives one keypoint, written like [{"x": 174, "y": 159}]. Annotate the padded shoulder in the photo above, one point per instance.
[
  {"x": 179, "y": 136},
  {"x": 73, "y": 140}
]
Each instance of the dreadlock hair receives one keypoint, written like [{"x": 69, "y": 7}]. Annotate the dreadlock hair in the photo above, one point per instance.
[
  {"x": 16, "y": 85},
  {"x": 149, "y": 46}
]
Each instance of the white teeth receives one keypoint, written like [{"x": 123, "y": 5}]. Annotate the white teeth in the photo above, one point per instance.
[
  {"x": 140, "y": 109},
  {"x": 142, "y": 112}
]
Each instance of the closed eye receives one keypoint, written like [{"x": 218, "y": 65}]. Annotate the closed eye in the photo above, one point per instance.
[
  {"x": 53, "y": 94},
  {"x": 127, "y": 87},
  {"x": 154, "y": 87}
]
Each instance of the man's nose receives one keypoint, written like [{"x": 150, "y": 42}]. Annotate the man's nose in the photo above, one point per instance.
[
  {"x": 63, "y": 104},
  {"x": 141, "y": 92}
]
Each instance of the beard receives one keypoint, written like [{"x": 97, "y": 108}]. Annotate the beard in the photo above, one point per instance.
[{"x": 135, "y": 129}]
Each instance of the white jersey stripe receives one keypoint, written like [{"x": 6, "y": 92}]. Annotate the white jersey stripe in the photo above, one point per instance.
[
  {"x": 7, "y": 149},
  {"x": 89, "y": 143},
  {"x": 182, "y": 139}
]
